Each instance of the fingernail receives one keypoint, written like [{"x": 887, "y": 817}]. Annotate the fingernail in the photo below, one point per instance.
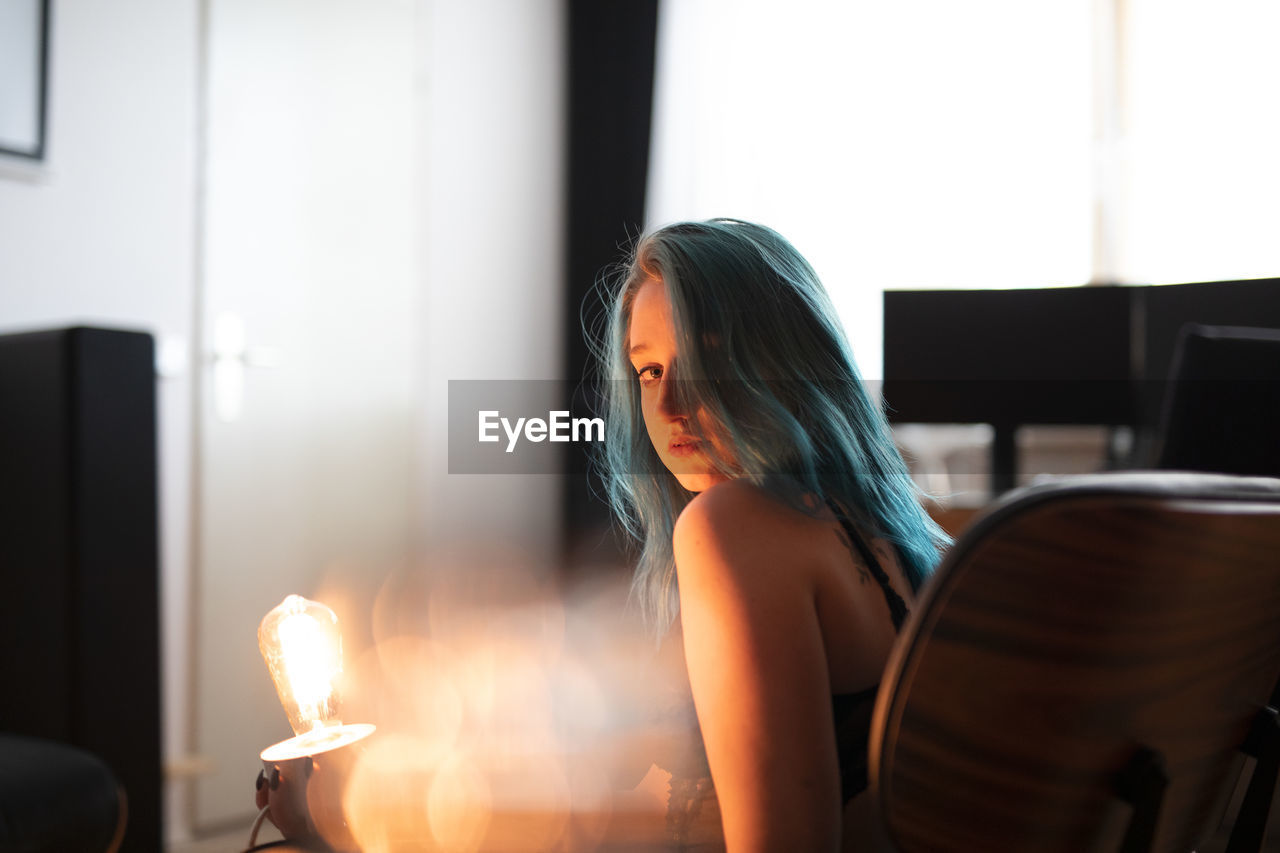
[
  {"x": 262, "y": 780},
  {"x": 275, "y": 778}
]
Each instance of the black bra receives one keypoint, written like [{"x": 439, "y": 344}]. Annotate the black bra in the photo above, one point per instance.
[
  {"x": 897, "y": 607},
  {"x": 852, "y": 711}
]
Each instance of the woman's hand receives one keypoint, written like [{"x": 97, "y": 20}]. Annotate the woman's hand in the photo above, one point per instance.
[{"x": 282, "y": 789}]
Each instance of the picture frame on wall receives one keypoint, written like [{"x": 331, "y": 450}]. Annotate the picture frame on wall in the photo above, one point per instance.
[{"x": 24, "y": 76}]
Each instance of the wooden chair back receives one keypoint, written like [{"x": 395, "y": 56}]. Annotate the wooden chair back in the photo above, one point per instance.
[{"x": 1090, "y": 655}]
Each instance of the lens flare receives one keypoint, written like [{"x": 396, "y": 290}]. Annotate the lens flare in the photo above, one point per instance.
[
  {"x": 502, "y": 712},
  {"x": 385, "y": 802},
  {"x": 458, "y": 807}
]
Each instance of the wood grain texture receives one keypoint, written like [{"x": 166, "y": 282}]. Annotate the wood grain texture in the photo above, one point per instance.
[{"x": 1054, "y": 646}]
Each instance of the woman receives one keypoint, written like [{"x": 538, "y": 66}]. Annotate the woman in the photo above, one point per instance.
[{"x": 782, "y": 539}]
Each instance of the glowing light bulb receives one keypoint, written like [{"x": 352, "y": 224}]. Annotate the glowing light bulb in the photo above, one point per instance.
[{"x": 302, "y": 645}]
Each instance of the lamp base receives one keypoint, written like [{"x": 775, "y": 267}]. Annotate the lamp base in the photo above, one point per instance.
[
  {"x": 317, "y": 741},
  {"x": 307, "y": 774}
]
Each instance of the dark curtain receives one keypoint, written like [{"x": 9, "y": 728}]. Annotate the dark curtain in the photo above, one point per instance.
[{"x": 611, "y": 62}]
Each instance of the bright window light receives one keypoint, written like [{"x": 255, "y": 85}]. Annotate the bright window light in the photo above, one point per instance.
[
  {"x": 910, "y": 144},
  {"x": 991, "y": 144},
  {"x": 1202, "y": 199}
]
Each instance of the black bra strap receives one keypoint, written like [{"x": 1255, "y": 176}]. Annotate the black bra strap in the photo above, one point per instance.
[{"x": 897, "y": 607}]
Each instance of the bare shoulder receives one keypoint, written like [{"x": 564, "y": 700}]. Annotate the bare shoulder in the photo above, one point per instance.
[
  {"x": 757, "y": 667},
  {"x": 728, "y": 503},
  {"x": 737, "y": 527},
  {"x": 734, "y": 511}
]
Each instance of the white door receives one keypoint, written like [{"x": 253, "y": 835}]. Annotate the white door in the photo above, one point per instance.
[{"x": 305, "y": 437}]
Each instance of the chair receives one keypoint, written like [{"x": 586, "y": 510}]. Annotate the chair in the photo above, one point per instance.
[
  {"x": 56, "y": 798},
  {"x": 1087, "y": 671}
]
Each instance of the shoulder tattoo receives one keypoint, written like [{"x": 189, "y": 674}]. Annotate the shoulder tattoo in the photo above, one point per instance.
[{"x": 864, "y": 577}]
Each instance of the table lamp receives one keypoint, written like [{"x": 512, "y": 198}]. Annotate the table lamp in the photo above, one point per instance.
[{"x": 302, "y": 645}]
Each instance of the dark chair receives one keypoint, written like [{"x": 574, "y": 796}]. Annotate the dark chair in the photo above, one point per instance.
[
  {"x": 57, "y": 798},
  {"x": 1222, "y": 403},
  {"x": 1088, "y": 670}
]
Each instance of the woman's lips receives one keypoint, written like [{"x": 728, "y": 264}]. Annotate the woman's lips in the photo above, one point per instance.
[{"x": 683, "y": 446}]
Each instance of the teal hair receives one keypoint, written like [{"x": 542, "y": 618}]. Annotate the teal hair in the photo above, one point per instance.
[{"x": 762, "y": 352}]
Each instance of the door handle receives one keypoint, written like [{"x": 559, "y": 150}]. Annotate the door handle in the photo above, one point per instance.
[{"x": 230, "y": 356}]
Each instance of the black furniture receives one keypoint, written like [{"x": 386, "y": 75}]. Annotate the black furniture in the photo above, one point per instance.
[
  {"x": 79, "y": 604},
  {"x": 1088, "y": 670},
  {"x": 1222, "y": 406},
  {"x": 57, "y": 798},
  {"x": 1094, "y": 355}
]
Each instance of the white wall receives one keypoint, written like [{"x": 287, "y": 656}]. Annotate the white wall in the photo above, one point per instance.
[
  {"x": 107, "y": 233},
  {"x": 309, "y": 223},
  {"x": 491, "y": 121},
  {"x": 104, "y": 234}
]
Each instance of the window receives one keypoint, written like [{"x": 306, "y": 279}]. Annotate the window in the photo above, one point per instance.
[
  {"x": 999, "y": 143},
  {"x": 1200, "y": 198}
]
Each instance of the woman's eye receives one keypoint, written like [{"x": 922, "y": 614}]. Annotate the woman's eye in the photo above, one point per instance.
[{"x": 649, "y": 375}]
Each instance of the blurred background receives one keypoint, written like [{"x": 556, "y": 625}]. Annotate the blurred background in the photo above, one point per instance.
[{"x": 325, "y": 210}]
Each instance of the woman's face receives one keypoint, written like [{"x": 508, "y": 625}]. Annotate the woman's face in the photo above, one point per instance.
[{"x": 652, "y": 342}]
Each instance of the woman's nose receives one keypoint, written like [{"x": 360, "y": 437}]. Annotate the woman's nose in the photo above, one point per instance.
[{"x": 668, "y": 404}]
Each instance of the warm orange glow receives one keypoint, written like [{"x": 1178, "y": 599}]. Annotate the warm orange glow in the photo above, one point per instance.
[
  {"x": 458, "y": 807},
  {"x": 386, "y": 795},
  {"x": 501, "y": 711},
  {"x": 417, "y": 687}
]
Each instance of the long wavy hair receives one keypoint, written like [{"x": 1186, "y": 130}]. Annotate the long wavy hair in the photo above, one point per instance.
[{"x": 763, "y": 355}]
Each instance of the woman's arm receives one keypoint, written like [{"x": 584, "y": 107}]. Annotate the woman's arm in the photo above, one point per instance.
[{"x": 758, "y": 670}]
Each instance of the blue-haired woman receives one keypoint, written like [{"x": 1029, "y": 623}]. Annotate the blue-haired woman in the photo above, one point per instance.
[{"x": 782, "y": 540}]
